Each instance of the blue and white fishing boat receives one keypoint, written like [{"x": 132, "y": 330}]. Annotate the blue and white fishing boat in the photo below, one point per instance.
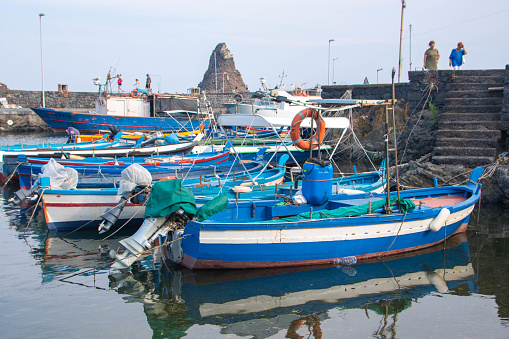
[
  {"x": 89, "y": 169},
  {"x": 318, "y": 230},
  {"x": 10, "y": 158},
  {"x": 261, "y": 234}
]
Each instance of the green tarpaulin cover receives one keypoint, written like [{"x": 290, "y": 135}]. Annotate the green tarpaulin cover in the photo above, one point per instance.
[
  {"x": 216, "y": 205},
  {"x": 348, "y": 211},
  {"x": 167, "y": 197}
]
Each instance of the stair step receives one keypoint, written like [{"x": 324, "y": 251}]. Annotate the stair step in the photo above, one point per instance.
[
  {"x": 465, "y": 161},
  {"x": 458, "y": 142},
  {"x": 478, "y": 73},
  {"x": 460, "y": 86},
  {"x": 470, "y": 116},
  {"x": 468, "y": 125},
  {"x": 469, "y": 134},
  {"x": 473, "y": 101},
  {"x": 475, "y": 94},
  {"x": 465, "y": 151},
  {"x": 463, "y": 108}
]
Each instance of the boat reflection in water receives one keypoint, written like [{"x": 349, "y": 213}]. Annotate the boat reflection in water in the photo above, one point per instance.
[{"x": 262, "y": 303}]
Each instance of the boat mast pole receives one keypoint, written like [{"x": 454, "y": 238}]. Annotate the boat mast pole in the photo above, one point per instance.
[
  {"x": 394, "y": 136},
  {"x": 388, "y": 209}
]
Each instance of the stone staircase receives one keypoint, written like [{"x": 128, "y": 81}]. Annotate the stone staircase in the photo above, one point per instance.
[{"x": 469, "y": 131}]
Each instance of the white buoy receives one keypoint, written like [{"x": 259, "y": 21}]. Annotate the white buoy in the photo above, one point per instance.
[{"x": 440, "y": 220}]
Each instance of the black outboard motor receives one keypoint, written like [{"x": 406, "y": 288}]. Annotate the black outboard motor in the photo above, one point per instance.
[
  {"x": 73, "y": 135},
  {"x": 114, "y": 130},
  {"x": 110, "y": 217}
]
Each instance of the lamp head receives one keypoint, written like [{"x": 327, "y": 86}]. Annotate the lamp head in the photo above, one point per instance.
[{"x": 41, "y": 14}]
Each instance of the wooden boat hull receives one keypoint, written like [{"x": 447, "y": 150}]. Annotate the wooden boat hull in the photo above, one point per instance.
[
  {"x": 75, "y": 209},
  {"x": 242, "y": 239}
]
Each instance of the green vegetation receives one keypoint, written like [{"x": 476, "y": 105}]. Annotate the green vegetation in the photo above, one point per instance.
[{"x": 434, "y": 112}]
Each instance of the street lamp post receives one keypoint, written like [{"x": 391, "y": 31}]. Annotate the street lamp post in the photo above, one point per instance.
[
  {"x": 42, "y": 68},
  {"x": 378, "y": 70},
  {"x": 333, "y": 69},
  {"x": 328, "y": 63},
  {"x": 403, "y": 5}
]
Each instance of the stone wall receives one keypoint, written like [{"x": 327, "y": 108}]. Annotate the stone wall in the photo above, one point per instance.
[
  {"x": 505, "y": 103},
  {"x": 217, "y": 99},
  {"x": 26, "y": 99},
  {"x": 13, "y": 120},
  {"x": 422, "y": 84}
]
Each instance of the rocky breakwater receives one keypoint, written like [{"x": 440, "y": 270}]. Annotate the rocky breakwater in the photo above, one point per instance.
[
  {"x": 16, "y": 120},
  {"x": 416, "y": 139}
]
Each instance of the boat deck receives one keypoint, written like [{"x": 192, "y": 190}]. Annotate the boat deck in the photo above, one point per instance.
[{"x": 447, "y": 200}]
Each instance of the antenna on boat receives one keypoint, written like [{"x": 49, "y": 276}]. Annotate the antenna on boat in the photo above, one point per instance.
[{"x": 282, "y": 76}]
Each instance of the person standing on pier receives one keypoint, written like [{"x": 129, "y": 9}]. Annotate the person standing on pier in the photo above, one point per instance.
[
  {"x": 431, "y": 56},
  {"x": 147, "y": 84},
  {"x": 137, "y": 84},
  {"x": 119, "y": 83},
  {"x": 456, "y": 57}
]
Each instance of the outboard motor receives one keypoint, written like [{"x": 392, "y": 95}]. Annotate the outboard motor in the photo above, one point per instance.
[
  {"x": 146, "y": 235},
  {"x": 114, "y": 130},
  {"x": 317, "y": 181},
  {"x": 153, "y": 138},
  {"x": 111, "y": 216},
  {"x": 135, "y": 180}
]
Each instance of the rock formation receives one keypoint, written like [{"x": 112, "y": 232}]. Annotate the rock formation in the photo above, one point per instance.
[{"x": 222, "y": 68}]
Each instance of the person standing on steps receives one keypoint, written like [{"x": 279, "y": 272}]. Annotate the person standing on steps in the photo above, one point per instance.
[
  {"x": 431, "y": 57},
  {"x": 147, "y": 84},
  {"x": 456, "y": 57}
]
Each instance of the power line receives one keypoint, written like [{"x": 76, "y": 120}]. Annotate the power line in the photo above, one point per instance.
[{"x": 460, "y": 23}]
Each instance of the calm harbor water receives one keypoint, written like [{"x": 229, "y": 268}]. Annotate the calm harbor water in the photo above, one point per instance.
[{"x": 58, "y": 286}]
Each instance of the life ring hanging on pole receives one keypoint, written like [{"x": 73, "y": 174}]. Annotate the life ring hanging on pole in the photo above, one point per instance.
[
  {"x": 320, "y": 131},
  {"x": 135, "y": 93}
]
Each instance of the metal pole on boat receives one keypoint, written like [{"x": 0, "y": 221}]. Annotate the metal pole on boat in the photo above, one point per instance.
[
  {"x": 388, "y": 209},
  {"x": 311, "y": 138},
  {"x": 394, "y": 136}
]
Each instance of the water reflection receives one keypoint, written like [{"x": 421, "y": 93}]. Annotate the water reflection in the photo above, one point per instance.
[
  {"x": 261, "y": 303},
  {"x": 284, "y": 302}
]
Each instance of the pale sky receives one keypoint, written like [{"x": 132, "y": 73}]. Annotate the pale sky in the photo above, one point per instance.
[{"x": 173, "y": 40}]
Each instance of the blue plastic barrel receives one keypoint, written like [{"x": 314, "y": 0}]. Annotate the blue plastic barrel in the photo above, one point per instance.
[{"x": 317, "y": 181}]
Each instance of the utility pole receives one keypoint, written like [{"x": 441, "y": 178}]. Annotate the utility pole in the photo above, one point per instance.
[
  {"x": 328, "y": 63},
  {"x": 403, "y": 5},
  {"x": 410, "y": 46},
  {"x": 215, "y": 68}
]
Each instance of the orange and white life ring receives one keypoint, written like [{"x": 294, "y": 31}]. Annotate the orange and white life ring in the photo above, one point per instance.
[
  {"x": 320, "y": 132},
  {"x": 135, "y": 93},
  {"x": 298, "y": 91},
  {"x": 305, "y": 92}
]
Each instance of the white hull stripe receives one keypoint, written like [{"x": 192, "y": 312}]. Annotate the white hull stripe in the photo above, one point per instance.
[{"x": 323, "y": 234}]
